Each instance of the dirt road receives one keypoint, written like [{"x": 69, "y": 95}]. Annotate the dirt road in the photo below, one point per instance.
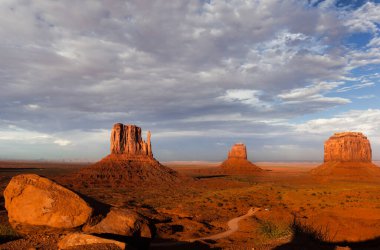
[{"x": 233, "y": 226}]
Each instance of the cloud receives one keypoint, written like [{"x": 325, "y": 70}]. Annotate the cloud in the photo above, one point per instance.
[
  {"x": 245, "y": 96},
  {"x": 61, "y": 142},
  {"x": 364, "y": 19},
  {"x": 182, "y": 69},
  {"x": 356, "y": 86},
  {"x": 32, "y": 106},
  {"x": 23, "y": 136},
  {"x": 353, "y": 120},
  {"x": 366, "y": 97},
  {"x": 309, "y": 91}
]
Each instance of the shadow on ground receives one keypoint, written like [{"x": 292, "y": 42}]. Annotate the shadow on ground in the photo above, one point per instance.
[
  {"x": 313, "y": 240},
  {"x": 163, "y": 244}
]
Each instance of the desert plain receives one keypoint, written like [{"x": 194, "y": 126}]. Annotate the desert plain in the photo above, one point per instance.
[{"x": 296, "y": 210}]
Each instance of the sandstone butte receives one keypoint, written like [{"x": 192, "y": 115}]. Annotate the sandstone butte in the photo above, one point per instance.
[
  {"x": 347, "y": 155},
  {"x": 130, "y": 162},
  {"x": 237, "y": 160}
]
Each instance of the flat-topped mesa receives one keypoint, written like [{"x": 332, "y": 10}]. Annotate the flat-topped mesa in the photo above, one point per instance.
[
  {"x": 348, "y": 147},
  {"x": 127, "y": 140},
  {"x": 238, "y": 151}
]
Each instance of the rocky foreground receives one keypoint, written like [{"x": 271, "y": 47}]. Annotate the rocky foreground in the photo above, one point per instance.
[{"x": 39, "y": 207}]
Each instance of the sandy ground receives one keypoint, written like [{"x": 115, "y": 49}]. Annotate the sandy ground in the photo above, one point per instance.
[{"x": 330, "y": 214}]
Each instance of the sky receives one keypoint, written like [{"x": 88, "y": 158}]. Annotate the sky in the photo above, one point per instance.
[{"x": 279, "y": 76}]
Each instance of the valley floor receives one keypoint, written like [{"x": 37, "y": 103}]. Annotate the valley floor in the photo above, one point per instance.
[{"x": 296, "y": 211}]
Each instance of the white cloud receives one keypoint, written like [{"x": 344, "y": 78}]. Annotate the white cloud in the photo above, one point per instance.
[
  {"x": 32, "y": 106},
  {"x": 366, "y": 97},
  {"x": 309, "y": 91},
  {"x": 354, "y": 120},
  {"x": 246, "y": 96},
  {"x": 62, "y": 142},
  {"x": 314, "y": 94},
  {"x": 356, "y": 86},
  {"x": 364, "y": 19}
]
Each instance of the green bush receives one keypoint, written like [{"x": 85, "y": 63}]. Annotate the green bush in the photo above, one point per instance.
[{"x": 273, "y": 231}]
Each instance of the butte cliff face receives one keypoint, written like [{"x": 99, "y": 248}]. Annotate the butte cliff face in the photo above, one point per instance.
[
  {"x": 130, "y": 162},
  {"x": 127, "y": 140},
  {"x": 237, "y": 160},
  {"x": 238, "y": 151},
  {"x": 347, "y": 155},
  {"x": 348, "y": 147}
]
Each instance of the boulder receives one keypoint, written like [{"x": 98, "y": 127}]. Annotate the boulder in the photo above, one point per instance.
[
  {"x": 36, "y": 203},
  {"x": 80, "y": 239},
  {"x": 120, "y": 221}
]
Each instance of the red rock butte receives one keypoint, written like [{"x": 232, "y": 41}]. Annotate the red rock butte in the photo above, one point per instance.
[
  {"x": 347, "y": 155},
  {"x": 127, "y": 140},
  {"x": 237, "y": 160},
  {"x": 130, "y": 162},
  {"x": 348, "y": 147}
]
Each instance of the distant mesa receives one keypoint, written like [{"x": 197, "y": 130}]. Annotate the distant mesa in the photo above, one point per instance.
[
  {"x": 237, "y": 160},
  {"x": 347, "y": 155},
  {"x": 130, "y": 162}
]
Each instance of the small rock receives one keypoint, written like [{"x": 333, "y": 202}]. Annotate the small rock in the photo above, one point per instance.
[
  {"x": 80, "y": 239},
  {"x": 121, "y": 221}
]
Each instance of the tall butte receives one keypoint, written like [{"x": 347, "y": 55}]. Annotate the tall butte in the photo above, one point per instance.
[
  {"x": 130, "y": 162},
  {"x": 126, "y": 140},
  {"x": 347, "y": 155},
  {"x": 237, "y": 160}
]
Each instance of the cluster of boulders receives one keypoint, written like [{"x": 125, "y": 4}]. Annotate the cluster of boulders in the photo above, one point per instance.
[{"x": 37, "y": 205}]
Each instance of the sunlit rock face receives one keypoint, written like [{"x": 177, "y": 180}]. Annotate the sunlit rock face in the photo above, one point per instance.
[
  {"x": 238, "y": 151},
  {"x": 348, "y": 147},
  {"x": 126, "y": 139}
]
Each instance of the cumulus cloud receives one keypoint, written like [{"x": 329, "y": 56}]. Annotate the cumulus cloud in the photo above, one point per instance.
[{"x": 353, "y": 120}]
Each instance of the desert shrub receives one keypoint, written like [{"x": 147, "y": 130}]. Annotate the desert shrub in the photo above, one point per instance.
[
  {"x": 311, "y": 233},
  {"x": 273, "y": 231},
  {"x": 7, "y": 233}
]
